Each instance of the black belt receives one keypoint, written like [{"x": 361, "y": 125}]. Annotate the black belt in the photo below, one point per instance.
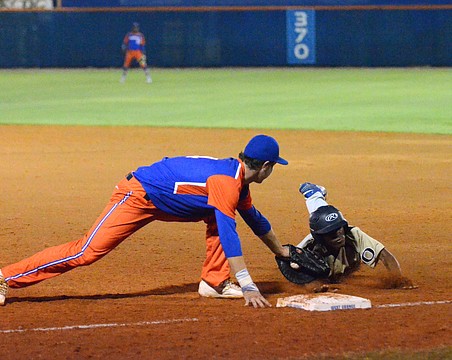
[{"x": 130, "y": 176}]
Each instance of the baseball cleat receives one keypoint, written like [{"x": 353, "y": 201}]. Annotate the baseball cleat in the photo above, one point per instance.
[
  {"x": 226, "y": 290},
  {"x": 308, "y": 189},
  {"x": 3, "y": 289}
]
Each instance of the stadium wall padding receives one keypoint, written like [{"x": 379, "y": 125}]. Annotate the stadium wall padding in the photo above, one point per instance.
[
  {"x": 358, "y": 38},
  {"x": 234, "y": 3}
]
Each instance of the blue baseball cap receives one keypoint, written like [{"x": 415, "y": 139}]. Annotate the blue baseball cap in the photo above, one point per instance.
[{"x": 265, "y": 148}]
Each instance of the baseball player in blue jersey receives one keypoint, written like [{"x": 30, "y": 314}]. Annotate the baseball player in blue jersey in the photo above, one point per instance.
[
  {"x": 180, "y": 189},
  {"x": 134, "y": 48}
]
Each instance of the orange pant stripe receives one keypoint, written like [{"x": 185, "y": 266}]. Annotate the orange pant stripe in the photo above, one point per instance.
[{"x": 73, "y": 257}]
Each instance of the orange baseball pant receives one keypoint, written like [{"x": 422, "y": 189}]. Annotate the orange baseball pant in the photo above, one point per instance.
[
  {"x": 126, "y": 212},
  {"x": 133, "y": 55}
]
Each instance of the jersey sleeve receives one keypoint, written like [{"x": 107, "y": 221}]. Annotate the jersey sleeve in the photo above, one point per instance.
[
  {"x": 308, "y": 239},
  {"x": 227, "y": 232},
  {"x": 256, "y": 221},
  {"x": 223, "y": 194},
  {"x": 369, "y": 249}
]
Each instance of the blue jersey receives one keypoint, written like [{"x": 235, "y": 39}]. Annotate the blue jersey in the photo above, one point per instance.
[
  {"x": 195, "y": 187},
  {"x": 134, "y": 41}
]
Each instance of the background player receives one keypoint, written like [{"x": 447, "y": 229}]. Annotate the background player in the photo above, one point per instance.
[
  {"x": 181, "y": 189},
  {"x": 133, "y": 46},
  {"x": 344, "y": 247}
]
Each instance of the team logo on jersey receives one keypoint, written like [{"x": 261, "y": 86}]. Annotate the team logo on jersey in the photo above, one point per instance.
[
  {"x": 368, "y": 255},
  {"x": 331, "y": 217}
]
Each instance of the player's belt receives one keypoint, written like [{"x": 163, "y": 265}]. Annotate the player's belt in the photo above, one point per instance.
[{"x": 130, "y": 176}]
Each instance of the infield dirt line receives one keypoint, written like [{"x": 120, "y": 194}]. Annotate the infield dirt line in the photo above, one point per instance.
[
  {"x": 414, "y": 304},
  {"x": 96, "y": 326},
  {"x": 172, "y": 321}
]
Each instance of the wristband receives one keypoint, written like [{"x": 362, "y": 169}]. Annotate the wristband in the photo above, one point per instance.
[
  {"x": 250, "y": 287},
  {"x": 245, "y": 281}
]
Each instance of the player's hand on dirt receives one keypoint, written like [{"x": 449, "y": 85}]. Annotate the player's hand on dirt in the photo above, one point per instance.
[
  {"x": 398, "y": 282},
  {"x": 325, "y": 288},
  {"x": 255, "y": 299},
  {"x": 410, "y": 287},
  {"x": 404, "y": 283},
  {"x": 407, "y": 284}
]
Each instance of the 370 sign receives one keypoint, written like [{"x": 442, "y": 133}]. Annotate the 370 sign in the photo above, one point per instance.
[{"x": 300, "y": 29}]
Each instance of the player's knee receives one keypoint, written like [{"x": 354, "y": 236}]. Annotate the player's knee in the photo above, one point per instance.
[{"x": 88, "y": 258}]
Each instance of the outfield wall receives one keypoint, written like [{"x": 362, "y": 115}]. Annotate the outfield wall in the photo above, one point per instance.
[
  {"x": 234, "y": 3},
  {"x": 202, "y": 38}
]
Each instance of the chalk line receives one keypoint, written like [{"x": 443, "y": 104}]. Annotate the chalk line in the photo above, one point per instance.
[
  {"x": 172, "y": 321},
  {"x": 96, "y": 326},
  {"x": 414, "y": 304}
]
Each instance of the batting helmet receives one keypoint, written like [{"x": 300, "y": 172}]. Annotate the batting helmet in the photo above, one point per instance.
[{"x": 325, "y": 220}]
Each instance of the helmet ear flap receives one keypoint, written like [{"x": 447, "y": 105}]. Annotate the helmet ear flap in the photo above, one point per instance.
[{"x": 318, "y": 238}]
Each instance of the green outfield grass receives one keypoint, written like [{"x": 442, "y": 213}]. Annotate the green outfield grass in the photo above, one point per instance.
[
  {"x": 394, "y": 100},
  {"x": 442, "y": 353}
]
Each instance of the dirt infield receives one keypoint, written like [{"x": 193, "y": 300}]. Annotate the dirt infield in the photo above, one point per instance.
[{"x": 141, "y": 300}]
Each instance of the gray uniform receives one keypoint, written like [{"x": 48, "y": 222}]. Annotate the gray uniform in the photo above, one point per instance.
[{"x": 359, "y": 248}]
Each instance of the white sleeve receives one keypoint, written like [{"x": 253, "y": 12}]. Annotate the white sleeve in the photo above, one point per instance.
[
  {"x": 315, "y": 201},
  {"x": 305, "y": 241}
]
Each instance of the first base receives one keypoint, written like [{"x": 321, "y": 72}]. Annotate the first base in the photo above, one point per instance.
[{"x": 324, "y": 302}]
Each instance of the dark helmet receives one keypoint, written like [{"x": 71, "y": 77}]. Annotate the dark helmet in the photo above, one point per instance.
[{"x": 326, "y": 219}]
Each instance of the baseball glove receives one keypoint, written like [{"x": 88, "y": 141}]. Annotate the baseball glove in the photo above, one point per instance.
[
  {"x": 143, "y": 60},
  {"x": 302, "y": 266}
]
